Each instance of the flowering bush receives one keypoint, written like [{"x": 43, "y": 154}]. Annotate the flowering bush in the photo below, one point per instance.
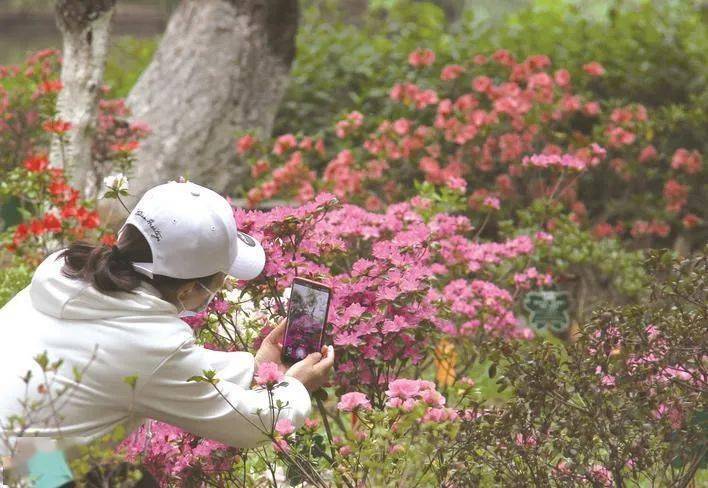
[
  {"x": 623, "y": 405},
  {"x": 497, "y": 130},
  {"x": 400, "y": 285},
  {"x": 51, "y": 211},
  {"x": 620, "y": 404},
  {"x": 398, "y": 282},
  {"x": 419, "y": 286},
  {"x": 653, "y": 53}
]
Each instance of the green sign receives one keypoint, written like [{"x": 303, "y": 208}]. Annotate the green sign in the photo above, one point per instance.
[{"x": 548, "y": 310}]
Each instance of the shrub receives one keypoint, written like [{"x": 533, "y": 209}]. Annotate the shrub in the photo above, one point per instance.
[
  {"x": 50, "y": 211},
  {"x": 622, "y": 405},
  {"x": 619, "y": 405},
  {"x": 341, "y": 66},
  {"x": 496, "y": 129},
  {"x": 654, "y": 54},
  {"x": 400, "y": 285}
]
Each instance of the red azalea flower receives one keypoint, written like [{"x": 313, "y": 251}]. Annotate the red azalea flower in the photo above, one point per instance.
[
  {"x": 36, "y": 227},
  {"x": 57, "y": 188},
  {"x": 128, "y": 146},
  {"x": 68, "y": 211},
  {"x": 594, "y": 69},
  {"x": 36, "y": 163},
  {"x": 50, "y": 86},
  {"x": 21, "y": 232},
  {"x": 108, "y": 239},
  {"x": 57, "y": 126},
  {"x": 691, "y": 220},
  {"x": 245, "y": 143},
  {"x": 421, "y": 57},
  {"x": 91, "y": 221},
  {"x": 52, "y": 223}
]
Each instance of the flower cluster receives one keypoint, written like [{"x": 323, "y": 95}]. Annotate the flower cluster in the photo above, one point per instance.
[
  {"x": 53, "y": 211},
  {"x": 531, "y": 277},
  {"x": 553, "y": 160},
  {"x": 63, "y": 215},
  {"x": 172, "y": 454},
  {"x": 489, "y": 127},
  {"x": 405, "y": 280},
  {"x": 352, "y": 401},
  {"x": 268, "y": 374}
]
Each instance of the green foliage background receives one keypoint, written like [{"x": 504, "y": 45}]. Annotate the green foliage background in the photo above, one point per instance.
[
  {"x": 655, "y": 53},
  {"x": 12, "y": 280}
]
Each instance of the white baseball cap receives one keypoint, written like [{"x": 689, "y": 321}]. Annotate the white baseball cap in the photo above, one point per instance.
[{"x": 192, "y": 233}]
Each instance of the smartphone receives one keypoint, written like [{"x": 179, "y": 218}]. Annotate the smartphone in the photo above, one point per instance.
[{"x": 308, "y": 307}]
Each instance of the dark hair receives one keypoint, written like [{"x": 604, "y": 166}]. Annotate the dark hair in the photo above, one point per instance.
[{"x": 109, "y": 268}]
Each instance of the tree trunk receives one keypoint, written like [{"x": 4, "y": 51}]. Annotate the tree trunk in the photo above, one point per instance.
[
  {"x": 222, "y": 66},
  {"x": 85, "y": 28}
]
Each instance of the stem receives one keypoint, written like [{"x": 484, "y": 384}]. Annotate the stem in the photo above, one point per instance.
[
  {"x": 323, "y": 413},
  {"x": 123, "y": 204}
]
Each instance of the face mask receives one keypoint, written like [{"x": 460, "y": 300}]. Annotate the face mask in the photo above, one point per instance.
[{"x": 192, "y": 313}]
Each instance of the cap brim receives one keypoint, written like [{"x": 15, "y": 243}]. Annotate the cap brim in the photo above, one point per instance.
[
  {"x": 250, "y": 258},
  {"x": 144, "y": 268}
]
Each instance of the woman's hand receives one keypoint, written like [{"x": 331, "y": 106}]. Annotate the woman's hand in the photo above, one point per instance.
[
  {"x": 271, "y": 348},
  {"x": 313, "y": 371}
]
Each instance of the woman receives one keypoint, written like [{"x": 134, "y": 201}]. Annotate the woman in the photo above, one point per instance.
[{"x": 112, "y": 315}]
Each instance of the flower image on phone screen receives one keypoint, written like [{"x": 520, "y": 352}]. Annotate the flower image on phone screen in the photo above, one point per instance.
[{"x": 308, "y": 306}]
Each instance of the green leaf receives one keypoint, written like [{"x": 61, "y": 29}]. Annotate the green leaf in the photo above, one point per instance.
[
  {"x": 131, "y": 380},
  {"x": 492, "y": 370},
  {"x": 42, "y": 360}
]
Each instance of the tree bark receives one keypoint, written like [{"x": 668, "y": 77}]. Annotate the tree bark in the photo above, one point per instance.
[
  {"x": 85, "y": 27},
  {"x": 222, "y": 66}
]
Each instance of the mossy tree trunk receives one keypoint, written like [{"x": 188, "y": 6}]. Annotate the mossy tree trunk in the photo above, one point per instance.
[
  {"x": 222, "y": 66},
  {"x": 85, "y": 28}
]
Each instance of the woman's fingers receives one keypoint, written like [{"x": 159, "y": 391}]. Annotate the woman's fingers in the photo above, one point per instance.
[
  {"x": 276, "y": 334},
  {"x": 326, "y": 362},
  {"x": 312, "y": 359}
]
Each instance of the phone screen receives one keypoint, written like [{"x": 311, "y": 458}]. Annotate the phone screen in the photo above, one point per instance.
[{"x": 307, "y": 316}]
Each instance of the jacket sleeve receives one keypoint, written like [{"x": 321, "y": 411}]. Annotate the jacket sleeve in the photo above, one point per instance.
[
  {"x": 229, "y": 415},
  {"x": 237, "y": 366}
]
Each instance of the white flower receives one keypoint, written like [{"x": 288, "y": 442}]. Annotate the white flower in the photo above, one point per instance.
[{"x": 116, "y": 182}]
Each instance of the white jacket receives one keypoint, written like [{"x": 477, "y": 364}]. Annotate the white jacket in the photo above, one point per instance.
[{"x": 131, "y": 334}]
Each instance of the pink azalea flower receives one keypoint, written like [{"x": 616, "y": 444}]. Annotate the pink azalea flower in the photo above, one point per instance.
[
  {"x": 403, "y": 388},
  {"x": 352, "y": 401},
  {"x": 594, "y": 69},
  {"x": 284, "y": 427},
  {"x": 281, "y": 445},
  {"x": 220, "y": 306},
  {"x": 268, "y": 374},
  {"x": 421, "y": 57},
  {"x": 409, "y": 404},
  {"x": 311, "y": 423},
  {"x": 601, "y": 475},
  {"x": 433, "y": 398},
  {"x": 450, "y": 72},
  {"x": 395, "y": 448}
]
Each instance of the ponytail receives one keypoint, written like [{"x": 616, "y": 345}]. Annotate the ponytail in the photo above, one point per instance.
[{"x": 105, "y": 267}]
